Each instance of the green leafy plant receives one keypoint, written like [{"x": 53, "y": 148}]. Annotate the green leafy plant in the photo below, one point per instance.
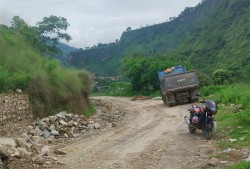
[{"x": 221, "y": 76}]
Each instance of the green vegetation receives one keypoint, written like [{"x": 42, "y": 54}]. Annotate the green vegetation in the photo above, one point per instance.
[
  {"x": 124, "y": 89},
  {"x": 142, "y": 71},
  {"x": 91, "y": 110},
  {"x": 241, "y": 165},
  {"x": 45, "y": 36},
  {"x": 221, "y": 76},
  {"x": 213, "y": 35},
  {"x": 120, "y": 89},
  {"x": 232, "y": 118},
  {"x": 51, "y": 88},
  {"x": 54, "y": 88}
]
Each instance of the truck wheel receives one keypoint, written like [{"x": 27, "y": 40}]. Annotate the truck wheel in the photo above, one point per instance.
[
  {"x": 170, "y": 104},
  {"x": 166, "y": 102},
  {"x": 194, "y": 100},
  {"x": 163, "y": 99}
]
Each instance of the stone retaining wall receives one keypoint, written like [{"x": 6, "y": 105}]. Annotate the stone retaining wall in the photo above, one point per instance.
[{"x": 15, "y": 113}]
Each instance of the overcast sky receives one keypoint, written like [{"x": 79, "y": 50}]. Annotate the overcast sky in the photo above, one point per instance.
[{"x": 95, "y": 21}]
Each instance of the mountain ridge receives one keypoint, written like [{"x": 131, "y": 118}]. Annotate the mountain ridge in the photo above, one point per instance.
[{"x": 205, "y": 34}]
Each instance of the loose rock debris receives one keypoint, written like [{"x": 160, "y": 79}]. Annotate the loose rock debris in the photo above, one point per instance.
[{"x": 39, "y": 145}]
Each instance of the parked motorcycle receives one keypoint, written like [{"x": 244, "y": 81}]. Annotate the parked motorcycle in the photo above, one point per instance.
[{"x": 201, "y": 117}]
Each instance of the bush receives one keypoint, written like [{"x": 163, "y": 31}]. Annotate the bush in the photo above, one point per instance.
[
  {"x": 55, "y": 89},
  {"x": 221, "y": 77},
  {"x": 204, "y": 79},
  {"x": 18, "y": 80},
  {"x": 10, "y": 81}
]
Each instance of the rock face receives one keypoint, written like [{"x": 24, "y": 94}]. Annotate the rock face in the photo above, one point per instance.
[{"x": 15, "y": 113}]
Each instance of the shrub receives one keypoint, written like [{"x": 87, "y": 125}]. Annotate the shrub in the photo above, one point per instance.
[
  {"x": 56, "y": 89},
  {"x": 204, "y": 79},
  {"x": 221, "y": 77},
  {"x": 18, "y": 80}
]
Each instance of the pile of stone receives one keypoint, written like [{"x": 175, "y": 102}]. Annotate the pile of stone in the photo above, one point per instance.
[
  {"x": 40, "y": 144},
  {"x": 62, "y": 124},
  {"x": 31, "y": 149},
  {"x": 107, "y": 114}
]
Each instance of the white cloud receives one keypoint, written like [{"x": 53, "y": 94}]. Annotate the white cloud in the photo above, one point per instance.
[{"x": 95, "y": 21}]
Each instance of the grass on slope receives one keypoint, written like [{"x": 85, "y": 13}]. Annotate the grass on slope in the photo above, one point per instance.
[{"x": 51, "y": 88}]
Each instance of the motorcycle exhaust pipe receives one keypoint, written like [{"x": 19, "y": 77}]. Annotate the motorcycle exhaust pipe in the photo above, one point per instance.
[{"x": 187, "y": 120}]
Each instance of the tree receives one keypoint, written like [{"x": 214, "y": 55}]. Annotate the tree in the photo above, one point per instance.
[
  {"x": 50, "y": 32},
  {"x": 19, "y": 25},
  {"x": 222, "y": 76},
  {"x": 128, "y": 29},
  {"x": 142, "y": 71},
  {"x": 204, "y": 79}
]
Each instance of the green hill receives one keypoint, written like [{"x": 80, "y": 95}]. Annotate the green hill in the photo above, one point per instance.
[
  {"x": 66, "y": 50},
  {"x": 50, "y": 87},
  {"x": 212, "y": 35}
]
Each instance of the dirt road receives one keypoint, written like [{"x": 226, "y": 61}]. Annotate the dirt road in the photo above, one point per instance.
[{"x": 150, "y": 136}]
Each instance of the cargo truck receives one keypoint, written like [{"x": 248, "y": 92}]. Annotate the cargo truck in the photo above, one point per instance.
[{"x": 178, "y": 86}]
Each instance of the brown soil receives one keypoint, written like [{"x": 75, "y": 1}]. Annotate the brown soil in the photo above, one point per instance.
[{"x": 150, "y": 136}]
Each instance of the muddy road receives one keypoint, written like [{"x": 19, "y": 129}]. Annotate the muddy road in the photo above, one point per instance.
[{"x": 150, "y": 136}]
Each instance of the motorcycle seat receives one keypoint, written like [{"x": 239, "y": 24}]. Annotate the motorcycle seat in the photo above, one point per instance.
[{"x": 198, "y": 109}]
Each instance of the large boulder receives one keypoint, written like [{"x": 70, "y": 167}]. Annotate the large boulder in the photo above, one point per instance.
[{"x": 7, "y": 146}]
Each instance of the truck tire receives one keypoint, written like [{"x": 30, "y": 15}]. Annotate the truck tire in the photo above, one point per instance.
[
  {"x": 194, "y": 100},
  {"x": 168, "y": 104},
  {"x": 163, "y": 99}
]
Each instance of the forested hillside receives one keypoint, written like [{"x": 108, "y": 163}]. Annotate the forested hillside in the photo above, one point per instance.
[
  {"x": 214, "y": 34},
  {"x": 65, "y": 52}
]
